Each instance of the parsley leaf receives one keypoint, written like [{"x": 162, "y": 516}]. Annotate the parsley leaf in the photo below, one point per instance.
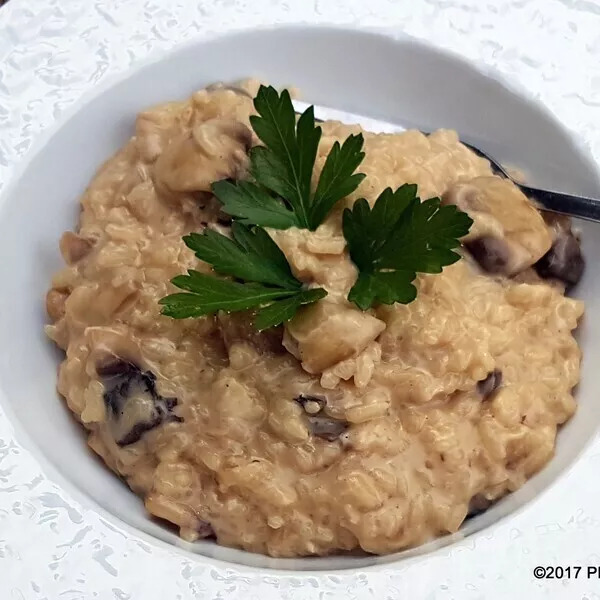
[
  {"x": 264, "y": 279},
  {"x": 252, "y": 204},
  {"x": 389, "y": 243},
  {"x": 251, "y": 255},
  {"x": 283, "y": 310},
  {"x": 280, "y": 195},
  {"x": 397, "y": 238},
  {"x": 337, "y": 179},
  {"x": 209, "y": 294}
]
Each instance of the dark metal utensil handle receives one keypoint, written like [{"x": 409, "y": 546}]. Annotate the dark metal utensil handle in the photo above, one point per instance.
[
  {"x": 567, "y": 204},
  {"x": 559, "y": 202}
]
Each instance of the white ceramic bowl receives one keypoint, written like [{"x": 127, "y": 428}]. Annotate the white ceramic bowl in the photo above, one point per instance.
[{"x": 399, "y": 80}]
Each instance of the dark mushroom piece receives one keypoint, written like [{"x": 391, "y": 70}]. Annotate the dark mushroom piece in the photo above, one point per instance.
[
  {"x": 564, "y": 261},
  {"x": 478, "y": 504},
  {"x": 320, "y": 424},
  {"x": 486, "y": 387},
  {"x": 311, "y": 404},
  {"x": 236, "y": 327},
  {"x": 214, "y": 214},
  {"x": 492, "y": 254},
  {"x": 115, "y": 367},
  {"x": 134, "y": 406},
  {"x": 326, "y": 427},
  {"x": 205, "y": 530},
  {"x": 508, "y": 234}
]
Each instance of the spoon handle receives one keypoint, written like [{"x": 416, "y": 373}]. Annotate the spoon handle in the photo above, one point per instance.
[{"x": 566, "y": 204}]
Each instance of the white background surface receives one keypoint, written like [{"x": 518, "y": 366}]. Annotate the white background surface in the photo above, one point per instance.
[{"x": 51, "y": 52}]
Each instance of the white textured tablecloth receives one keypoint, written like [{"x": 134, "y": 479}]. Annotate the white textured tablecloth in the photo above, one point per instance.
[{"x": 51, "y": 52}]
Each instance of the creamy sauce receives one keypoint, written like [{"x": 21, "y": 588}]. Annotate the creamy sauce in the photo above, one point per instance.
[{"x": 345, "y": 430}]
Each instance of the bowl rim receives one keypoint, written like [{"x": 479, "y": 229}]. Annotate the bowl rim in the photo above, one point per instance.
[{"x": 412, "y": 554}]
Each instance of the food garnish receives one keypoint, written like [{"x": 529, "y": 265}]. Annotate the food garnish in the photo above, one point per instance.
[
  {"x": 280, "y": 194},
  {"x": 396, "y": 238},
  {"x": 262, "y": 279},
  {"x": 389, "y": 243}
]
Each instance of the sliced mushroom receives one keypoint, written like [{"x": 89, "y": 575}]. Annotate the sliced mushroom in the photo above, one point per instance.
[
  {"x": 223, "y": 218},
  {"x": 113, "y": 366},
  {"x": 236, "y": 327},
  {"x": 508, "y": 233},
  {"x": 478, "y": 504},
  {"x": 320, "y": 424},
  {"x": 326, "y": 427},
  {"x": 486, "y": 387},
  {"x": 311, "y": 404},
  {"x": 134, "y": 406},
  {"x": 74, "y": 247},
  {"x": 204, "y": 529},
  {"x": 564, "y": 261},
  {"x": 494, "y": 255},
  {"x": 212, "y": 210}
]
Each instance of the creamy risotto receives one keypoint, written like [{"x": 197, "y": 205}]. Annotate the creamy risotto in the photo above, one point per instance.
[{"x": 341, "y": 430}]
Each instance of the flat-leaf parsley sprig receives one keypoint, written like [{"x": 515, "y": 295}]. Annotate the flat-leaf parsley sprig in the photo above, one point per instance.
[
  {"x": 280, "y": 193},
  {"x": 263, "y": 279},
  {"x": 389, "y": 243},
  {"x": 397, "y": 238}
]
